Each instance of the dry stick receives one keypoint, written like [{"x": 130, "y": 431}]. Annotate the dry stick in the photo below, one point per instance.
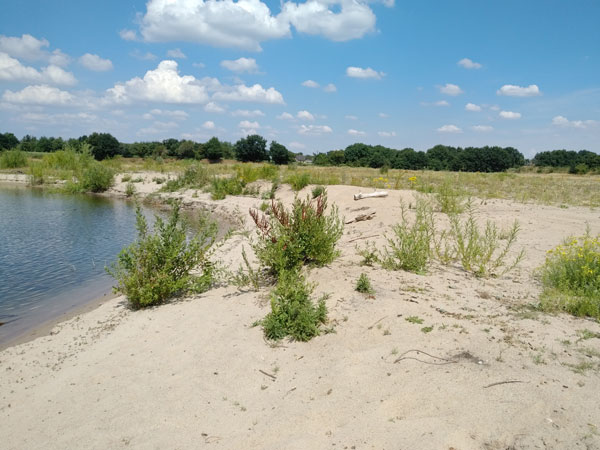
[
  {"x": 503, "y": 382},
  {"x": 273, "y": 377},
  {"x": 402, "y": 357},
  {"x": 362, "y": 237},
  {"x": 376, "y": 323}
]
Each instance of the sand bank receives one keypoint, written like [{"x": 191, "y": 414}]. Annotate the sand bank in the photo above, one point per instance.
[{"x": 195, "y": 374}]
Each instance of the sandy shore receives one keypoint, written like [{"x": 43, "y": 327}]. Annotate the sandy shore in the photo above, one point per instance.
[{"x": 491, "y": 374}]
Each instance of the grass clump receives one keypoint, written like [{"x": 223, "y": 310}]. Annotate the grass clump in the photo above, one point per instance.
[
  {"x": 194, "y": 176},
  {"x": 318, "y": 191},
  {"x": 481, "y": 251},
  {"x": 292, "y": 311},
  {"x": 130, "y": 189},
  {"x": 298, "y": 180},
  {"x": 363, "y": 285},
  {"x": 158, "y": 265},
  {"x": 409, "y": 248},
  {"x": 449, "y": 200},
  {"x": 12, "y": 159},
  {"x": 571, "y": 277},
  {"x": 304, "y": 235},
  {"x": 369, "y": 253},
  {"x": 222, "y": 187}
]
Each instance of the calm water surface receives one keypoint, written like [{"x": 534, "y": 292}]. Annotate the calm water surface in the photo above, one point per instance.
[{"x": 53, "y": 250}]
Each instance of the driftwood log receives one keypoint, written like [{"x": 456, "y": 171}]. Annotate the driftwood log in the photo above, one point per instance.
[
  {"x": 360, "y": 195},
  {"x": 362, "y": 217}
]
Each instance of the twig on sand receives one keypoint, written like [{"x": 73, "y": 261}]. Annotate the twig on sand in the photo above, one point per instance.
[
  {"x": 503, "y": 382},
  {"x": 371, "y": 327},
  {"x": 363, "y": 237},
  {"x": 273, "y": 377},
  {"x": 445, "y": 361}
]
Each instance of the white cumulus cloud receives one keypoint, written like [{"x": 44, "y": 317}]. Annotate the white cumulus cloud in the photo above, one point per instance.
[
  {"x": 330, "y": 88},
  {"x": 314, "y": 130},
  {"x": 468, "y": 64},
  {"x": 11, "y": 69},
  {"x": 25, "y": 47},
  {"x": 213, "y": 107},
  {"x": 483, "y": 128},
  {"x": 285, "y": 116},
  {"x": 442, "y": 103},
  {"x": 386, "y": 133},
  {"x": 517, "y": 91},
  {"x": 163, "y": 84},
  {"x": 176, "y": 53},
  {"x": 209, "y": 125},
  {"x": 255, "y": 93},
  {"x": 472, "y": 107},
  {"x": 353, "y": 132},
  {"x": 564, "y": 122},
  {"x": 95, "y": 63},
  {"x": 39, "y": 95},
  {"x": 510, "y": 115},
  {"x": 305, "y": 115},
  {"x": 128, "y": 35},
  {"x": 241, "y": 65},
  {"x": 450, "y": 89},
  {"x": 247, "y": 113},
  {"x": 449, "y": 129},
  {"x": 359, "y": 72},
  {"x": 310, "y": 84}
]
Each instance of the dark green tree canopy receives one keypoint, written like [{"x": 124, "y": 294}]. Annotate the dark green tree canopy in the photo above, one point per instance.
[
  {"x": 8, "y": 141},
  {"x": 252, "y": 148},
  {"x": 104, "y": 145},
  {"x": 213, "y": 150},
  {"x": 279, "y": 154}
]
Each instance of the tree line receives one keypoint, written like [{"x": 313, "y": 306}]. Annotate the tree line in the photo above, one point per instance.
[{"x": 254, "y": 148}]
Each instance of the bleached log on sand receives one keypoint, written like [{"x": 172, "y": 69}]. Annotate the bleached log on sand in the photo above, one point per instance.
[{"x": 360, "y": 195}]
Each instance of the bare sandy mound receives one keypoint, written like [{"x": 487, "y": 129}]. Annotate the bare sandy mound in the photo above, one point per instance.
[{"x": 481, "y": 371}]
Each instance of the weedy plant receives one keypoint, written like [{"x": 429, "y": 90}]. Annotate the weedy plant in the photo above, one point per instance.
[
  {"x": 369, "y": 253},
  {"x": 304, "y": 235},
  {"x": 97, "y": 178},
  {"x": 571, "y": 277},
  {"x": 222, "y": 187},
  {"x": 409, "y": 248},
  {"x": 363, "y": 285},
  {"x": 130, "y": 189},
  {"x": 298, "y": 180},
  {"x": 195, "y": 176},
  {"x": 292, "y": 311},
  {"x": 318, "y": 191},
  {"x": 481, "y": 251},
  {"x": 449, "y": 200},
  {"x": 158, "y": 265}
]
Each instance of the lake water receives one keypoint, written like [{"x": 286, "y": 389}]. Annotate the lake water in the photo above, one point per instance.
[{"x": 53, "y": 250}]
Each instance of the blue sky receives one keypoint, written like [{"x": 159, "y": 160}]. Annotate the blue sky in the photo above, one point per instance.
[{"x": 315, "y": 76}]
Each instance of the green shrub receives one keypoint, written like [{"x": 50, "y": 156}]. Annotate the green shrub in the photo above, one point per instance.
[
  {"x": 369, "y": 254},
  {"x": 37, "y": 173},
  {"x": 410, "y": 246},
  {"x": 571, "y": 277},
  {"x": 12, "y": 159},
  {"x": 363, "y": 284},
  {"x": 481, "y": 252},
  {"x": 222, "y": 187},
  {"x": 292, "y": 311},
  {"x": 305, "y": 235},
  {"x": 97, "y": 178},
  {"x": 125, "y": 178},
  {"x": 158, "y": 266},
  {"x": 298, "y": 180},
  {"x": 318, "y": 190}
]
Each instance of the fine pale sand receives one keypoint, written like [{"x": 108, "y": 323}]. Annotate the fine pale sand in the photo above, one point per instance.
[{"x": 491, "y": 374}]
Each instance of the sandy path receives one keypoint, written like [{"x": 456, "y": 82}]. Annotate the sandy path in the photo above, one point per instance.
[{"x": 188, "y": 374}]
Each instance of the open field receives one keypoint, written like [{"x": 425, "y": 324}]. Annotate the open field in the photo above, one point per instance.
[{"x": 443, "y": 360}]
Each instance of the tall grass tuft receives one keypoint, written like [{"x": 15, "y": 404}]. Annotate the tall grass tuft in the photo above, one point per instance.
[
  {"x": 481, "y": 251},
  {"x": 409, "y": 248}
]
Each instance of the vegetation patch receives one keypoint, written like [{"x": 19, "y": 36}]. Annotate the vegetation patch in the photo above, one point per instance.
[
  {"x": 293, "y": 313},
  {"x": 571, "y": 277},
  {"x": 12, "y": 159},
  {"x": 304, "y": 235},
  {"x": 158, "y": 265},
  {"x": 363, "y": 285}
]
